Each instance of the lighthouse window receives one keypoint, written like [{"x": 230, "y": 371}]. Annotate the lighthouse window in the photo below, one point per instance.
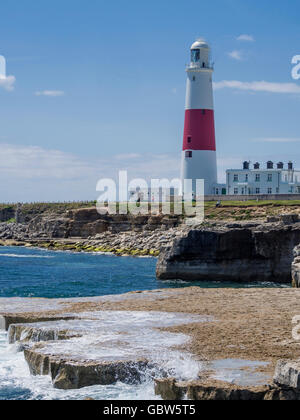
[
  {"x": 203, "y": 111},
  {"x": 188, "y": 154},
  {"x": 195, "y": 56},
  {"x": 189, "y": 139}
]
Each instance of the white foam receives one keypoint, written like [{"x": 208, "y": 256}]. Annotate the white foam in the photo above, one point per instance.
[
  {"x": 125, "y": 335},
  {"x": 112, "y": 335},
  {"x": 15, "y": 375},
  {"x": 24, "y": 256}
]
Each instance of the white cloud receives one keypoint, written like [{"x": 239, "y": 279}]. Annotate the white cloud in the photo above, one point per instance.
[
  {"x": 261, "y": 86},
  {"x": 236, "y": 55},
  {"x": 277, "y": 140},
  {"x": 29, "y": 162},
  {"x": 33, "y": 173},
  {"x": 52, "y": 93},
  {"x": 245, "y": 37},
  {"x": 7, "y": 82}
]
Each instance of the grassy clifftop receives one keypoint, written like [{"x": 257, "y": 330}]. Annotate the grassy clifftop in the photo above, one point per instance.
[
  {"x": 248, "y": 210},
  {"x": 49, "y": 207},
  {"x": 229, "y": 210}
]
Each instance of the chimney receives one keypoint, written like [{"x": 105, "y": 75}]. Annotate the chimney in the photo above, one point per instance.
[
  {"x": 270, "y": 165},
  {"x": 246, "y": 165},
  {"x": 280, "y": 165},
  {"x": 256, "y": 165},
  {"x": 290, "y": 166}
]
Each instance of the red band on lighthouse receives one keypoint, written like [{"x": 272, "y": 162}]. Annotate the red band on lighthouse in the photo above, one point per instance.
[{"x": 199, "y": 130}]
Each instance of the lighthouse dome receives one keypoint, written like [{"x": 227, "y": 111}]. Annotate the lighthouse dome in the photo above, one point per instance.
[{"x": 200, "y": 43}]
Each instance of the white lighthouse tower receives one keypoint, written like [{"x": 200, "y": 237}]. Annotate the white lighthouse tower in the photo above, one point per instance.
[{"x": 199, "y": 145}]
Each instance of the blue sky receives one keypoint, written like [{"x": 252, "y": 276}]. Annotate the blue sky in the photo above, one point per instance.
[{"x": 100, "y": 86}]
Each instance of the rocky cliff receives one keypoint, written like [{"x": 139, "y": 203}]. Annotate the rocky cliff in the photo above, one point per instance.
[
  {"x": 85, "y": 230},
  {"x": 237, "y": 253},
  {"x": 84, "y": 223}
]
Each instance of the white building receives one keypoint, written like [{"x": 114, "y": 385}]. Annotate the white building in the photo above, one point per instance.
[{"x": 262, "y": 181}]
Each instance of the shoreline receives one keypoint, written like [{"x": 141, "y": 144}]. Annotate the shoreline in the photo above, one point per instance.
[
  {"x": 226, "y": 338},
  {"x": 70, "y": 245},
  {"x": 238, "y": 319}
]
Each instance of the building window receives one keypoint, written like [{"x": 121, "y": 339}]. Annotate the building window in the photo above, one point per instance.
[
  {"x": 246, "y": 178},
  {"x": 195, "y": 56},
  {"x": 217, "y": 191},
  {"x": 188, "y": 154},
  {"x": 270, "y": 177},
  {"x": 257, "y": 190},
  {"x": 236, "y": 191},
  {"x": 257, "y": 178},
  {"x": 269, "y": 190},
  {"x": 235, "y": 178},
  {"x": 189, "y": 139},
  {"x": 194, "y": 78}
]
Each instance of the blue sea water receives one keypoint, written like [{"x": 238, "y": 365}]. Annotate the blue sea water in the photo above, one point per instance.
[{"x": 27, "y": 272}]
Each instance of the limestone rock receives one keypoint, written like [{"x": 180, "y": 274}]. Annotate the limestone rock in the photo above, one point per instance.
[
  {"x": 212, "y": 390},
  {"x": 289, "y": 218},
  {"x": 262, "y": 253},
  {"x": 68, "y": 374},
  {"x": 287, "y": 373},
  {"x": 296, "y": 268},
  {"x": 169, "y": 389}
]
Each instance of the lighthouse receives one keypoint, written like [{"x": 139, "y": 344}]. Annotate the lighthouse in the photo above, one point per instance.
[{"x": 199, "y": 144}]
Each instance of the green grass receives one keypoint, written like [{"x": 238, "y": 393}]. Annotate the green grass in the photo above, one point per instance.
[{"x": 253, "y": 203}]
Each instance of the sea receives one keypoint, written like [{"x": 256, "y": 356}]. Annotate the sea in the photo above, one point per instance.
[{"x": 30, "y": 272}]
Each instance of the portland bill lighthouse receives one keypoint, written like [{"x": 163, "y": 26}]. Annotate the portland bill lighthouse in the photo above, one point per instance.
[{"x": 199, "y": 144}]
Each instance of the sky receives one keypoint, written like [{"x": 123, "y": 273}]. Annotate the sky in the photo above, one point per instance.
[{"x": 94, "y": 87}]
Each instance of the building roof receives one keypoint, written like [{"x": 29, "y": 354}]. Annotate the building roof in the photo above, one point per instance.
[{"x": 200, "y": 43}]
